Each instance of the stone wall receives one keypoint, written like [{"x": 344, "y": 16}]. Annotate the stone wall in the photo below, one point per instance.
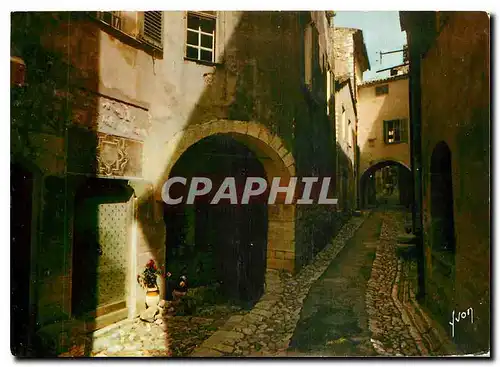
[
  {"x": 350, "y": 63},
  {"x": 350, "y": 56},
  {"x": 314, "y": 138},
  {"x": 455, "y": 110},
  {"x": 99, "y": 104},
  {"x": 346, "y": 143},
  {"x": 344, "y": 52}
]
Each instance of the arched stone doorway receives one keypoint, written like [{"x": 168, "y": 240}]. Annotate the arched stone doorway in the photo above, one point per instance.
[
  {"x": 221, "y": 243},
  {"x": 443, "y": 231},
  {"x": 268, "y": 157},
  {"x": 386, "y": 182},
  {"x": 442, "y": 236}
]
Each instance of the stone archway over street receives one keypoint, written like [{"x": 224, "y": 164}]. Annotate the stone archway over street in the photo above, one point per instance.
[{"x": 386, "y": 178}]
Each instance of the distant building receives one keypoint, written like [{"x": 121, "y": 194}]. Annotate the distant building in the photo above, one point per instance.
[
  {"x": 383, "y": 137},
  {"x": 449, "y": 54},
  {"x": 351, "y": 60}
]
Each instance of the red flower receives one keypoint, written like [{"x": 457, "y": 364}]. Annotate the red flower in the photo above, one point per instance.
[{"x": 150, "y": 272}]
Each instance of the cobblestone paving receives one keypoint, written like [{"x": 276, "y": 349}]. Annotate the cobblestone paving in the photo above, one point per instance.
[
  {"x": 333, "y": 320},
  {"x": 168, "y": 336},
  {"x": 398, "y": 324},
  {"x": 267, "y": 329},
  {"x": 390, "y": 334}
]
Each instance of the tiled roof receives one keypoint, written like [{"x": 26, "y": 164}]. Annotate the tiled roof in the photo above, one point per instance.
[{"x": 384, "y": 80}]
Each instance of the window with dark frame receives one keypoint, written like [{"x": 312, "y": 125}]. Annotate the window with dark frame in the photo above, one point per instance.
[
  {"x": 349, "y": 134},
  {"x": 200, "y": 38},
  {"x": 342, "y": 123},
  {"x": 315, "y": 60},
  {"x": 308, "y": 56},
  {"x": 395, "y": 131},
  {"x": 382, "y": 89},
  {"x": 329, "y": 83}
]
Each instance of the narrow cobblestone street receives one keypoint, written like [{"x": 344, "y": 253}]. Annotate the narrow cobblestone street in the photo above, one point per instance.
[
  {"x": 398, "y": 325},
  {"x": 364, "y": 304},
  {"x": 356, "y": 299},
  {"x": 390, "y": 334},
  {"x": 333, "y": 320},
  {"x": 268, "y": 328}
]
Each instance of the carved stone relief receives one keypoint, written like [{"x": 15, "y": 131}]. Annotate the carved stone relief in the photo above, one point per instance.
[
  {"x": 97, "y": 113},
  {"x": 91, "y": 152},
  {"x": 124, "y": 120},
  {"x": 118, "y": 156}
]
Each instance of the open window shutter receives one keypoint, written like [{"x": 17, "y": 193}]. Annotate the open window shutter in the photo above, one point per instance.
[
  {"x": 404, "y": 130},
  {"x": 153, "y": 28}
]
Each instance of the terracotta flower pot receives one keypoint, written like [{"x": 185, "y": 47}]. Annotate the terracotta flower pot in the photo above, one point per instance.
[{"x": 152, "y": 296}]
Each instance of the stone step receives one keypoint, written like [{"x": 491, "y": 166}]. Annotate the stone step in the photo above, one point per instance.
[
  {"x": 406, "y": 246},
  {"x": 406, "y": 250}
]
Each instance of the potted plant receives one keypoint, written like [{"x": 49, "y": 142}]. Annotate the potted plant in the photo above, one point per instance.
[{"x": 149, "y": 280}]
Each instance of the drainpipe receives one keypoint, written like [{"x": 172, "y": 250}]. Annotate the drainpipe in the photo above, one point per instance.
[{"x": 416, "y": 163}]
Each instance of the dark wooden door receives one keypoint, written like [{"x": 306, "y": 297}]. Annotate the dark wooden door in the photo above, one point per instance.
[
  {"x": 236, "y": 234},
  {"x": 101, "y": 252},
  {"x": 242, "y": 240},
  {"x": 254, "y": 245},
  {"x": 21, "y": 191}
]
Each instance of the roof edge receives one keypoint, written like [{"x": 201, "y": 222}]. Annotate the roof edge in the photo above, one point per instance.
[{"x": 384, "y": 80}]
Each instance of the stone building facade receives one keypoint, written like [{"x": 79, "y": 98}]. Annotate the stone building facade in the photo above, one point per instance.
[
  {"x": 383, "y": 138},
  {"x": 109, "y": 104},
  {"x": 450, "y": 113},
  {"x": 351, "y": 60}
]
